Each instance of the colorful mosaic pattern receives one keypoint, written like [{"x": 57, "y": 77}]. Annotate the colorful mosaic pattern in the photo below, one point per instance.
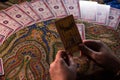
[{"x": 28, "y": 53}]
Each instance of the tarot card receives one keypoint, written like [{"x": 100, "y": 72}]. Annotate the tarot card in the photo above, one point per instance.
[
  {"x": 81, "y": 28},
  {"x": 58, "y": 7},
  {"x": 5, "y": 31},
  {"x": 114, "y": 18},
  {"x": 69, "y": 33},
  {"x": 19, "y": 15},
  {"x": 25, "y": 6},
  {"x": 102, "y": 14},
  {"x": 42, "y": 9},
  {"x": 1, "y": 67},
  {"x": 6, "y": 20},
  {"x": 73, "y": 7},
  {"x": 2, "y": 38},
  {"x": 88, "y": 10}
]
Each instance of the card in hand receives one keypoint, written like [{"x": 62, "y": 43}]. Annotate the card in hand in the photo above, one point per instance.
[
  {"x": 114, "y": 18},
  {"x": 6, "y": 20},
  {"x": 5, "y": 31},
  {"x": 69, "y": 33},
  {"x": 1, "y": 67},
  {"x": 2, "y": 38},
  {"x": 25, "y": 6},
  {"x": 42, "y": 8},
  {"x": 58, "y": 7},
  {"x": 81, "y": 29},
  {"x": 73, "y": 7},
  {"x": 19, "y": 15}
]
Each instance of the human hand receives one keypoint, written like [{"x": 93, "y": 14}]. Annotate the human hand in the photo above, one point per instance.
[
  {"x": 59, "y": 70},
  {"x": 101, "y": 54}
]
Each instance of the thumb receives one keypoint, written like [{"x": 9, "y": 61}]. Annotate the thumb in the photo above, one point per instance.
[
  {"x": 87, "y": 51},
  {"x": 73, "y": 65}
]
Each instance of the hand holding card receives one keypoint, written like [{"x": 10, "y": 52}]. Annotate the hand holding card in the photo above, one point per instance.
[{"x": 69, "y": 33}]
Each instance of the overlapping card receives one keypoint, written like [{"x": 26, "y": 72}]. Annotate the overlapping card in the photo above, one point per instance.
[{"x": 1, "y": 67}]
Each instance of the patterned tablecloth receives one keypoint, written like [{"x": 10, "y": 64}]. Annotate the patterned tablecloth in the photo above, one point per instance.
[{"x": 28, "y": 53}]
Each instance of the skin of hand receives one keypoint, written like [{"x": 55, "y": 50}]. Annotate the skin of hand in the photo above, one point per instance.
[
  {"x": 101, "y": 54},
  {"x": 59, "y": 70}
]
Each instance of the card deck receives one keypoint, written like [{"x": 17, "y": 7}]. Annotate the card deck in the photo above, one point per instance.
[
  {"x": 114, "y": 18},
  {"x": 81, "y": 28},
  {"x": 5, "y": 31},
  {"x": 69, "y": 33},
  {"x": 42, "y": 9},
  {"x": 58, "y": 7},
  {"x": 19, "y": 15},
  {"x": 102, "y": 14},
  {"x": 25, "y": 6},
  {"x": 88, "y": 10},
  {"x": 9, "y": 21},
  {"x": 2, "y": 38},
  {"x": 1, "y": 67},
  {"x": 73, "y": 7}
]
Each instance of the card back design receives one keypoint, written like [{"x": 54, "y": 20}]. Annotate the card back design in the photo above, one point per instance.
[
  {"x": 81, "y": 28},
  {"x": 102, "y": 14},
  {"x": 58, "y": 7},
  {"x": 114, "y": 18},
  {"x": 2, "y": 38},
  {"x": 73, "y": 8},
  {"x": 42, "y": 9},
  {"x": 9, "y": 21},
  {"x": 25, "y": 6},
  {"x": 19, "y": 15},
  {"x": 6, "y": 31}
]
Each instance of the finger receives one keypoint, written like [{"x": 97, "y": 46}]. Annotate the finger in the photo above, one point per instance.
[
  {"x": 59, "y": 54},
  {"x": 72, "y": 65},
  {"x": 87, "y": 51},
  {"x": 52, "y": 66},
  {"x": 71, "y": 59},
  {"x": 89, "y": 40}
]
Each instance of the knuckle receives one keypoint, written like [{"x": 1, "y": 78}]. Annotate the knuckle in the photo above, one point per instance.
[
  {"x": 52, "y": 65},
  {"x": 60, "y": 51}
]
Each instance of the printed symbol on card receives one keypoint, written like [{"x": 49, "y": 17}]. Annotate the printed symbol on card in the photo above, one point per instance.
[
  {"x": 27, "y": 12},
  {"x": 18, "y": 16},
  {"x": 99, "y": 13},
  {"x": 111, "y": 17},
  {"x": 41, "y": 9},
  {"x": 5, "y": 22},
  {"x": 56, "y": 7},
  {"x": 71, "y": 7}
]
